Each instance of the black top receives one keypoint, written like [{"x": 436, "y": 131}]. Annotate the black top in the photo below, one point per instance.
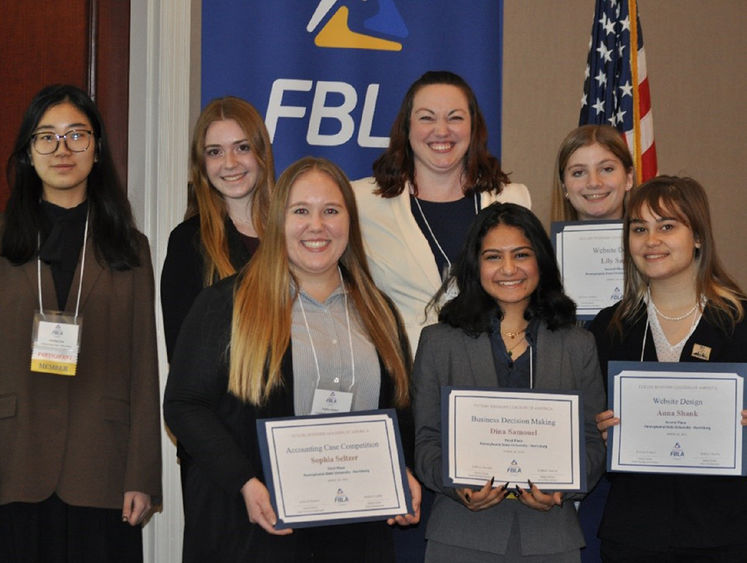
[
  {"x": 183, "y": 271},
  {"x": 219, "y": 433},
  {"x": 450, "y": 222},
  {"x": 660, "y": 511},
  {"x": 61, "y": 240}
]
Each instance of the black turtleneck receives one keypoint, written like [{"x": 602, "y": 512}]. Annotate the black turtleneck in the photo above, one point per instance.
[{"x": 61, "y": 240}]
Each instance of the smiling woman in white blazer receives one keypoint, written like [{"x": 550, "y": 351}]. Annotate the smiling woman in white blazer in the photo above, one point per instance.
[{"x": 427, "y": 187}]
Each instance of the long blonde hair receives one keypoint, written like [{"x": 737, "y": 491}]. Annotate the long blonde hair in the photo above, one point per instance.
[
  {"x": 208, "y": 202},
  {"x": 261, "y": 324},
  {"x": 608, "y": 137},
  {"x": 685, "y": 199}
]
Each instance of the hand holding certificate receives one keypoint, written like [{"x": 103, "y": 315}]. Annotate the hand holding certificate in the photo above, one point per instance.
[
  {"x": 513, "y": 436},
  {"x": 334, "y": 469},
  {"x": 677, "y": 418}
]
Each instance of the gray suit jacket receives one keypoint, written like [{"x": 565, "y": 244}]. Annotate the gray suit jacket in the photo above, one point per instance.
[{"x": 566, "y": 360}]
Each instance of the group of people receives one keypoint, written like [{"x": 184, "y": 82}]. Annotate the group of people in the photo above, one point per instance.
[{"x": 433, "y": 272}]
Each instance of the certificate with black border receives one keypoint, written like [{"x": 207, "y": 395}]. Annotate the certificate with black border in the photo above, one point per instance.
[
  {"x": 590, "y": 258},
  {"x": 334, "y": 469},
  {"x": 678, "y": 418},
  {"x": 513, "y": 435}
]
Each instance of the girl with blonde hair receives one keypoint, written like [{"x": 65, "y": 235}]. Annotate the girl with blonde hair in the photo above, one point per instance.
[{"x": 304, "y": 317}]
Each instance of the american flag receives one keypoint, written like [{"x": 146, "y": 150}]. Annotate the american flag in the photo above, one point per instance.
[{"x": 612, "y": 70}]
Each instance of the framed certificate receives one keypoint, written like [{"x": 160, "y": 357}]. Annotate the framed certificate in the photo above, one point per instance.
[
  {"x": 334, "y": 469},
  {"x": 513, "y": 436},
  {"x": 590, "y": 258},
  {"x": 681, "y": 418}
]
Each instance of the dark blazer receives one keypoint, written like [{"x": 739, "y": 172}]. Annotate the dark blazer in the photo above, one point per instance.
[
  {"x": 182, "y": 277},
  {"x": 90, "y": 437},
  {"x": 660, "y": 511},
  {"x": 566, "y": 360},
  {"x": 219, "y": 437}
]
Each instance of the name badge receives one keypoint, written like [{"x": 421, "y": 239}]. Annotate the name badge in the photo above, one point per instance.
[
  {"x": 329, "y": 401},
  {"x": 55, "y": 342}
]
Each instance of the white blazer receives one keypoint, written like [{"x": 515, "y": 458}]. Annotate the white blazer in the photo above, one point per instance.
[{"x": 399, "y": 255}]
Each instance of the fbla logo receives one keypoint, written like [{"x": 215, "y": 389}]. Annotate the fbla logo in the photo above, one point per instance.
[
  {"x": 341, "y": 497},
  {"x": 336, "y": 33},
  {"x": 514, "y": 467},
  {"x": 616, "y": 294},
  {"x": 332, "y": 399},
  {"x": 677, "y": 451},
  {"x": 57, "y": 331}
]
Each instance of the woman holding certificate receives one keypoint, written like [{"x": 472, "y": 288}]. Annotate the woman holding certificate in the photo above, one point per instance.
[
  {"x": 302, "y": 321},
  {"x": 679, "y": 305},
  {"x": 510, "y": 326},
  {"x": 593, "y": 179}
]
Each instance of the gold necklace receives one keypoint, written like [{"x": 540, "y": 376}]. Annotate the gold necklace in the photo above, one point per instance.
[
  {"x": 510, "y": 351},
  {"x": 512, "y": 334}
]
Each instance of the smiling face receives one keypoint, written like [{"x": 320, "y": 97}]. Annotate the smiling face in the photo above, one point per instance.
[
  {"x": 662, "y": 248},
  {"x": 64, "y": 173},
  {"x": 440, "y": 128},
  {"x": 596, "y": 181},
  {"x": 509, "y": 272},
  {"x": 316, "y": 228},
  {"x": 230, "y": 163}
]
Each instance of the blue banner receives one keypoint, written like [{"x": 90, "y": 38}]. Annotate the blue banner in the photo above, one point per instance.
[{"x": 329, "y": 75}]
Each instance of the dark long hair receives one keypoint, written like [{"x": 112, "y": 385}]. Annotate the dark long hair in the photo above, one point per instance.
[
  {"x": 396, "y": 166},
  {"x": 112, "y": 226},
  {"x": 473, "y": 309}
]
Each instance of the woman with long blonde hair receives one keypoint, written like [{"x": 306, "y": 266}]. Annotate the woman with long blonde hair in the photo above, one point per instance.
[
  {"x": 231, "y": 176},
  {"x": 303, "y": 316}
]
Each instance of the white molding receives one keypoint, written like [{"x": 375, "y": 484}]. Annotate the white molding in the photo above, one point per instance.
[{"x": 159, "y": 89}]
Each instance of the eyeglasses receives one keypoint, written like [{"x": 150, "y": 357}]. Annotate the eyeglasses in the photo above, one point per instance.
[{"x": 76, "y": 140}]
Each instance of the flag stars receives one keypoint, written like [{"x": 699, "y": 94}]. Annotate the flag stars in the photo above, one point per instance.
[
  {"x": 620, "y": 115},
  {"x": 625, "y": 23},
  {"x": 609, "y": 27},
  {"x": 604, "y": 53},
  {"x": 583, "y": 101},
  {"x": 587, "y": 72},
  {"x": 621, "y": 49},
  {"x": 626, "y": 89},
  {"x": 601, "y": 78},
  {"x": 599, "y": 106}
]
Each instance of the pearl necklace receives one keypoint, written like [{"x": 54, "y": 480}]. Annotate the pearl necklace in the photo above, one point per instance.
[{"x": 668, "y": 318}]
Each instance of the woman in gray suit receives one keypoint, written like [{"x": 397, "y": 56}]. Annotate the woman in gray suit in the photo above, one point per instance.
[{"x": 510, "y": 326}]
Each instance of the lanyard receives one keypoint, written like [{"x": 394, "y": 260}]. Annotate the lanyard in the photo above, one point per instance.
[
  {"x": 82, "y": 267},
  {"x": 350, "y": 335}
]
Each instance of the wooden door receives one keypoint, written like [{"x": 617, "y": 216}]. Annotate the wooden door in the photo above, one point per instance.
[{"x": 80, "y": 42}]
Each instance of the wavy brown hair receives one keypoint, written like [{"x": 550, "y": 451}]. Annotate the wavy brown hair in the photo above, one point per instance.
[
  {"x": 686, "y": 200},
  {"x": 208, "y": 201},
  {"x": 396, "y": 167},
  {"x": 260, "y": 335},
  {"x": 611, "y": 139}
]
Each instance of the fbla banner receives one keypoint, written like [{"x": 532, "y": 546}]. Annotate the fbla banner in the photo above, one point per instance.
[{"x": 329, "y": 75}]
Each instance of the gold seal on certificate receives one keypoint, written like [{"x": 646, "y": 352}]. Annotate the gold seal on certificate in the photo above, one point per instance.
[
  {"x": 682, "y": 418},
  {"x": 590, "y": 258},
  {"x": 334, "y": 469},
  {"x": 513, "y": 436}
]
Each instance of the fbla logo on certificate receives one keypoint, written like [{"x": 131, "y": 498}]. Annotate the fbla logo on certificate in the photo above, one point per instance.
[
  {"x": 341, "y": 497},
  {"x": 336, "y": 32},
  {"x": 332, "y": 399},
  {"x": 329, "y": 75},
  {"x": 514, "y": 467},
  {"x": 677, "y": 451}
]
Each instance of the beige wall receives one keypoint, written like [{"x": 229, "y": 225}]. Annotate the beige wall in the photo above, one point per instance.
[{"x": 695, "y": 52}]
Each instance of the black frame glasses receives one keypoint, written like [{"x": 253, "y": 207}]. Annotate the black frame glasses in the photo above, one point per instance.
[{"x": 42, "y": 141}]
